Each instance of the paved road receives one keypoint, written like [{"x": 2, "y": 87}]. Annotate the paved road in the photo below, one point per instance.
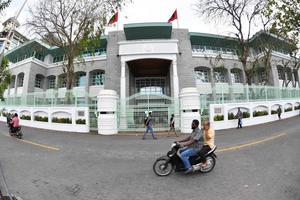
[{"x": 120, "y": 167}]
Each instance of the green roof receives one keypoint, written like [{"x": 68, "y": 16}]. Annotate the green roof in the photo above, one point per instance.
[
  {"x": 153, "y": 30},
  {"x": 206, "y": 39},
  {"x": 276, "y": 41},
  {"x": 28, "y": 48}
]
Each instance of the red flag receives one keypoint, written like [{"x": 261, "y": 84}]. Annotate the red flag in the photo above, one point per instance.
[
  {"x": 114, "y": 18},
  {"x": 173, "y": 17}
]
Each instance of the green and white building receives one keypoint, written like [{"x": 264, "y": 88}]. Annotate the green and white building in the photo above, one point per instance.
[{"x": 148, "y": 65}]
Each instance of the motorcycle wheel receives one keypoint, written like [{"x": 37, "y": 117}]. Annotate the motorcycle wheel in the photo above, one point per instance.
[
  {"x": 211, "y": 162},
  {"x": 20, "y": 135},
  {"x": 162, "y": 168}
]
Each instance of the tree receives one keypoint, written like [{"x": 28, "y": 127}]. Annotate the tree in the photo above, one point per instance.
[
  {"x": 72, "y": 25},
  {"x": 5, "y": 77},
  {"x": 285, "y": 15},
  {"x": 4, "y": 4},
  {"x": 241, "y": 15}
]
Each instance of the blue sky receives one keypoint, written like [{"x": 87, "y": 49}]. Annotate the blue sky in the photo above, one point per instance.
[{"x": 144, "y": 11}]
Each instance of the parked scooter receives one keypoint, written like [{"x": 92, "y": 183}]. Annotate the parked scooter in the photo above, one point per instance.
[
  {"x": 165, "y": 165},
  {"x": 14, "y": 132}
]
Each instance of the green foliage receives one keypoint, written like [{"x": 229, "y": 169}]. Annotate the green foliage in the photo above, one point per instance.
[
  {"x": 232, "y": 116},
  {"x": 297, "y": 107},
  {"x": 219, "y": 118},
  {"x": 288, "y": 109},
  {"x": 5, "y": 114},
  {"x": 246, "y": 115},
  {"x": 4, "y": 4},
  {"x": 5, "y": 77},
  {"x": 25, "y": 117},
  {"x": 260, "y": 113},
  {"x": 205, "y": 112},
  {"x": 40, "y": 118},
  {"x": 62, "y": 120},
  {"x": 273, "y": 112},
  {"x": 285, "y": 15},
  {"x": 80, "y": 121}
]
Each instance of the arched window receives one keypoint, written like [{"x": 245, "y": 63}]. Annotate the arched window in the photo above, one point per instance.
[
  {"x": 39, "y": 81},
  {"x": 98, "y": 78},
  {"x": 51, "y": 82},
  {"x": 220, "y": 75},
  {"x": 236, "y": 75},
  {"x": 202, "y": 74},
  {"x": 280, "y": 73},
  {"x": 20, "y": 80},
  {"x": 80, "y": 79}
]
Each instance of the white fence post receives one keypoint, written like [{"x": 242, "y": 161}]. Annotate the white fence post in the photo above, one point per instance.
[
  {"x": 189, "y": 108},
  {"x": 107, "y": 112}
]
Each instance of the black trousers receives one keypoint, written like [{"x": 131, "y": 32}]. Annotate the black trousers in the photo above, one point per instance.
[
  {"x": 240, "y": 123},
  {"x": 203, "y": 152}
]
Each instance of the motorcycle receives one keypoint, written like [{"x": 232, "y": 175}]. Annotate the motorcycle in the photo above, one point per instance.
[
  {"x": 14, "y": 132},
  {"x": 165, "y": 165}
]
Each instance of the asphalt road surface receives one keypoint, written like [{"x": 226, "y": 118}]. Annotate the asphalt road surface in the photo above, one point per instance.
[{"x": 260, "y": 162}]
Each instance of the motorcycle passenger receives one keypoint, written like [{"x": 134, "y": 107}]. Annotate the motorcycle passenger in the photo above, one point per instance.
[
  {"x": 15, "y": 122},
  {"x": 191, "y": 145},
  {"x": 209, "y": 141}
]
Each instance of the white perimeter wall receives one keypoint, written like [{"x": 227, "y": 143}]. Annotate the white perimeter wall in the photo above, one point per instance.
[
  {"x": 73, "y": 113},
  {"x": 224, "y": 109}
]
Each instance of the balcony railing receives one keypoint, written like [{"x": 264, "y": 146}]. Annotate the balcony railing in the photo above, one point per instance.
[{"x": 211, "y": 49}]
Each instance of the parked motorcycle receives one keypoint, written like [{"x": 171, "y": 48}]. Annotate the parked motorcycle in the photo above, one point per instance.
[
  {"x": 14, "y": 132},
  {"x": 165, "y": 165}
]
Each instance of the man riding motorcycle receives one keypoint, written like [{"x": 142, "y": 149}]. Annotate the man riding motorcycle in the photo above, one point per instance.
[
  {"x": 191, "y": 145},
  {"x": 15, "y": 122}
]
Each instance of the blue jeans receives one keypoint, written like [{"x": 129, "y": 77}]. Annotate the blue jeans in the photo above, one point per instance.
[
  {"x": 185, "y": 154},
  {"x": 149, "y": 128}
]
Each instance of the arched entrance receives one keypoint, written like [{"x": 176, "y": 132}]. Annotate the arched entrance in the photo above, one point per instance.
[{"x": 149, "y": 84}]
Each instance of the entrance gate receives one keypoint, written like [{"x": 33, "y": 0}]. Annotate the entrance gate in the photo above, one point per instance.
[{"x": 139, "y": 105}]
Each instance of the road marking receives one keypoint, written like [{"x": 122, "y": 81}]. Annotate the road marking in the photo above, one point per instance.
[
  {"x": 40, "y": 145},
  {"x": 251, "y": 143}
]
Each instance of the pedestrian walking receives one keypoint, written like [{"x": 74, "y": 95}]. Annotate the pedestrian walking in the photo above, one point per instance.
[
  {"x": 279, "y": 111},
  {"x": 149, "y": 126},
  {"x": 172, "y": 126},
  {"x": 239, "y": 116}
]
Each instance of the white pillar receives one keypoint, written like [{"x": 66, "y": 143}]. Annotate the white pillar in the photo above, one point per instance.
[
  {"x": 189, "y": 108},
  {"x": 123, "y": 121},
  {"x": 107, "y": 112},
  {"x": 176, "y": 94}
]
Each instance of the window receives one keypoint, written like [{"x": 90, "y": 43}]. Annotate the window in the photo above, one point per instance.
[
  {"x": 236, "y": 77},
  {"x": 262, "y": 76},
  {"x": 38, "y": 82},
  {"x": 219, "y": 75},
  {"x": 150, "y": 86},
  {"x": 51, "y": 82},
  {"x": 20, "y": 81},
  {"x": 63, "y": 82},
  {"x": 58, "y": 58},
  {"x": 80, "y": 80},
  {"x": 280, "y": 73},
  {"x": 202, "y": 75},
  {"x": 98, "y": 78}
]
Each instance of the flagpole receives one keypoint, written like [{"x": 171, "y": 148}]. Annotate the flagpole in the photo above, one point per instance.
[{"x": 177, "y": 19}]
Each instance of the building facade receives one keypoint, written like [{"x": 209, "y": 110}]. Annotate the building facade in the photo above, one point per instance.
[{"x": 148, "y": 62}]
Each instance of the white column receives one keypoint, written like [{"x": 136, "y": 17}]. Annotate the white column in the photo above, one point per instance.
[
  {"x": 189, "y": 108},
  {"x": 123, "y": 121},
  {"x": 107, "y": 112},
  {"x": 176, "y": 93}
]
